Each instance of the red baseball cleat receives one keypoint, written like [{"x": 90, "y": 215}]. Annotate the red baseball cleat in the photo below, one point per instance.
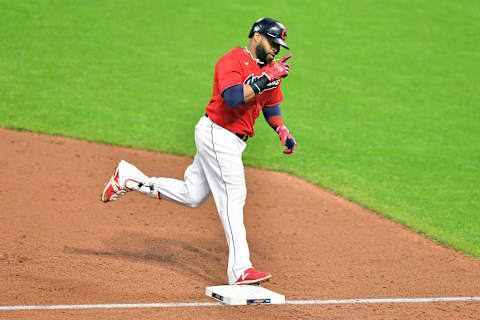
[
  {"x": 253, "y": 276},
  {"x": 112, "y": 189}
]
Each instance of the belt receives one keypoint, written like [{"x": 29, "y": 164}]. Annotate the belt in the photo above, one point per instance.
[{"x": 243, "y": 137}]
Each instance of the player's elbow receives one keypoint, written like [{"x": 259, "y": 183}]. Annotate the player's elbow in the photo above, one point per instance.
[
  {"x": 234, "y": 96},
  {"x": 232, "y": 102}
]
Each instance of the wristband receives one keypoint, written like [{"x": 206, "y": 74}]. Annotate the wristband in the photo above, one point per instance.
[{"x": 260, "y": 84}]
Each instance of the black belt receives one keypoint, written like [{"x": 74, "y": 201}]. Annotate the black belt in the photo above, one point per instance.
[{"x": 243, "y": 137}]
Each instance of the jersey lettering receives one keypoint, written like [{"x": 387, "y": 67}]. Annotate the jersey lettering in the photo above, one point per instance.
[
  {"x": 234, "y": 68},
  {"x": 271, "y": 85}
]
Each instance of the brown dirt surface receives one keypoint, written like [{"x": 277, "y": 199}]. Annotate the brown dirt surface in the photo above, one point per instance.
[{"x": 60, "y": 245}]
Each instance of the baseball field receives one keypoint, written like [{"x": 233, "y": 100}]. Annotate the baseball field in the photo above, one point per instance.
[{"x": 379, "y": 200}]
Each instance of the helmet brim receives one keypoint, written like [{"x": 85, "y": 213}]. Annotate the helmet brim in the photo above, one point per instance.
[{"x": 280, "y": 42}]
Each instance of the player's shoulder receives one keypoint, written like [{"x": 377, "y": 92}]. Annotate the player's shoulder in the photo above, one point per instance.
[{"x": 232, "y": 55}]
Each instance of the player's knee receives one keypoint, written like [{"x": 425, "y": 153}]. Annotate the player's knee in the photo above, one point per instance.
[
  {"x": 195, "y": 204},
  {"x": 196, "y": 201}
]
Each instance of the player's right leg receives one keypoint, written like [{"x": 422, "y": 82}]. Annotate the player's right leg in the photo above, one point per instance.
[{"x": 219, "y": 152}]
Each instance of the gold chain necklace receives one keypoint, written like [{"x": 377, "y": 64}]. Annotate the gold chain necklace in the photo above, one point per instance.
[{"x": 251, "y": 56}]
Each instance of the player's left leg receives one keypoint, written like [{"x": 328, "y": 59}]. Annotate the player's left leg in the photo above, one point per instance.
[
  {"x": 125, "y": 178},
  {"x": 191, "y": 192}
]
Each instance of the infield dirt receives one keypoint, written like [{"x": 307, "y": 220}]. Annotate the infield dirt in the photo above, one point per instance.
[{"x": 60, "y": 245}]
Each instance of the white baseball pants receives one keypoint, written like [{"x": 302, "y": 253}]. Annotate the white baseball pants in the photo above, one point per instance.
[{"x": 216, "y": 169}]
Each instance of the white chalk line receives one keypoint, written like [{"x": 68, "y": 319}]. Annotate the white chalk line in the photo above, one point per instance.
[
  {"x": 216, "y": 304},
  {"x": 396, "y": 300}
]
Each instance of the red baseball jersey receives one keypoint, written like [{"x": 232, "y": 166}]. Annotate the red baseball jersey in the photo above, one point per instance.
[{"x": 237, "y": 67}]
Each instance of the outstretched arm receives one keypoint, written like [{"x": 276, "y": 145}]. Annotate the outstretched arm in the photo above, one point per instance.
[{"x": 273, "y": 115}]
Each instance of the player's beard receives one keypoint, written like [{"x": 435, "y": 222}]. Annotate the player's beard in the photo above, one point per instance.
[{"x": 262, "y": 55}]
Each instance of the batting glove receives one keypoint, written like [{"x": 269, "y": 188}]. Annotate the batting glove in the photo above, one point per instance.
[
  {"x": 278, "y": 70},
  {"x": 287, "y": 140}
]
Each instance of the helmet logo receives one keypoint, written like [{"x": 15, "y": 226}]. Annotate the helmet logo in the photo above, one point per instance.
[{"x": 284, "y": 34}]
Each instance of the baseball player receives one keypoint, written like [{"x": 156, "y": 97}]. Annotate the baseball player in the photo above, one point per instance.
[{"x": 246, "y": 81}]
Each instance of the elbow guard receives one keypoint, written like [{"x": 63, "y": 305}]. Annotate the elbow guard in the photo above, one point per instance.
[{"x": 233, "y": 96}]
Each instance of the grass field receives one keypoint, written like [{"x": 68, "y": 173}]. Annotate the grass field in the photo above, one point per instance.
[{"x": 383, "y": 96}]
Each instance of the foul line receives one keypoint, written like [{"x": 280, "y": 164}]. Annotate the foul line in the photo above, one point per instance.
[
  {"x": 399, "y": 300},
  {"x": 211, "y": 304}
]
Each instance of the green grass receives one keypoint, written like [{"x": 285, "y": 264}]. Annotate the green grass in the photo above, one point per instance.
[{"x": 383, "y": 97}]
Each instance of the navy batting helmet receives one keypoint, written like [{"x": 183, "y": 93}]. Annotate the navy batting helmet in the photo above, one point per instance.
[{"x": 272, "y": 29}]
